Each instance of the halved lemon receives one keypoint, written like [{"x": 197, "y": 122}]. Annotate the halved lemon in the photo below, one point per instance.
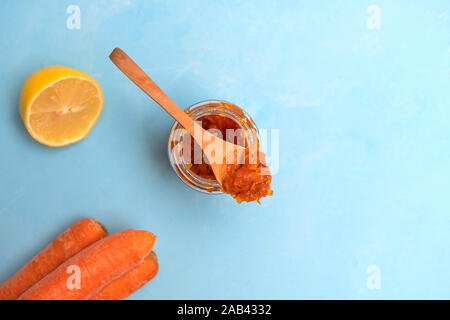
[{"x": 60, "y": 105}]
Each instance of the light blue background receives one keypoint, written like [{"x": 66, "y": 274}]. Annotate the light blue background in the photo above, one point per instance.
[{"x": 364, "y": 176}]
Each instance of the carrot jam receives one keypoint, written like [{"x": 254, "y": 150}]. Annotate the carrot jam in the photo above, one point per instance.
[
  {"x": 221, "y": 124},
  {"x": 249, "y": 181},
  {"x": 245, "y": 180}
]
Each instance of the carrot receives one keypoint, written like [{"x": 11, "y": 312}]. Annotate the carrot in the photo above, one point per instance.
[
  {"x": 77, "y": 237},
  {"x": 131, "y": 281},
  {"x": 86, "y": 273}
]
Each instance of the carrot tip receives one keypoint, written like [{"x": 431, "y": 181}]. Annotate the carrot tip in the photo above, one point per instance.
[{"x": 103, "y": 227}]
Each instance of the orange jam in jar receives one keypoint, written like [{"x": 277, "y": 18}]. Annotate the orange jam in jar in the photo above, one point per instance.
[
  {"x": 221, "y": 124},
  {"x": 216, "y": 115}
]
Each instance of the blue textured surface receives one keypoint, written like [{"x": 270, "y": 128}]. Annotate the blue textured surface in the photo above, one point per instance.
[{"x": 363, "y": 115}]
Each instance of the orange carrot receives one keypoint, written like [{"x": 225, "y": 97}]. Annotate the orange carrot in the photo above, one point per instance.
[
  {"x": 131, "y": 281},
  {"x": 86, "y": 273},
  {"x": 73, "y": 240}
]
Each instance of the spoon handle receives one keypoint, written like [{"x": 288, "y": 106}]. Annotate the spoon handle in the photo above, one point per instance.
[{"x": 143, "y": 81}]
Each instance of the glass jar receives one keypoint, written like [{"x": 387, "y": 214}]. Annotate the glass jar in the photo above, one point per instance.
[{"x": 196, "y": 111}]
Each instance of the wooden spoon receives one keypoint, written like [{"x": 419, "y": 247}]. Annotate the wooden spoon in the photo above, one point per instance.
[{"x": 201, "y": 136}]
